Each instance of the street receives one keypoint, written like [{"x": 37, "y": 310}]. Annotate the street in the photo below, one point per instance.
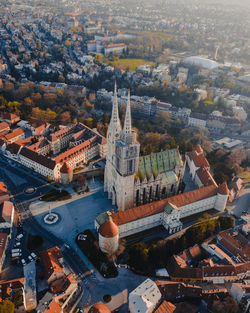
[{"x": 241, "y": 205}]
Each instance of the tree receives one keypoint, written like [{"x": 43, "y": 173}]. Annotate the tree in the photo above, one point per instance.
[
  {"x": 89, "y": 122},
  {"x": 227, "y": 305},
  {"x": 138, "y": 257},
  {"x": 226, "y": 222},
  {"x": 67, "y": 43},
  {"x": 105, "y": 118},
  {"x": 65, "y": 118},
  {"x": 7, "y": 307},
  {"x": 163, "y": 119}
]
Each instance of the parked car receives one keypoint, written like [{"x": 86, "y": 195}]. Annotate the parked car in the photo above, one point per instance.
[
  {"x": 23, "y": 262},
  {"x": 34, "y": 256},
  {"x": 19, "y": 237}
]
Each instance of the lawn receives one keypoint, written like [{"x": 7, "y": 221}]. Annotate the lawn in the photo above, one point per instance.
[
  {"x": 56, "y": 195},
  {"x": 132, "y": 64},
  {"x": 91, "y": 249}
]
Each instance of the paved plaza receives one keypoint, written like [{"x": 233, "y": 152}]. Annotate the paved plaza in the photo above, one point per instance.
[
  {"x": 76, "y": 214},
  {"x": 242, "y": 203}
]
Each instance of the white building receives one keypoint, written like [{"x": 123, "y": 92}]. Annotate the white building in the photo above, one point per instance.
[
  {"x": 109, "y": 237},
  {"x": 40, "y": 164},
  {"x": 197, "y": 120},
  {"x": 239, "y": 113},
  {"x": 144, "y": 298},
  {"x": 240, "y": 290},
  {"x": 116, "y": 48}
]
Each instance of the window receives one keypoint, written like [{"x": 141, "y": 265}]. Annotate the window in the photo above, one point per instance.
[{"x": 130, "y": 165}]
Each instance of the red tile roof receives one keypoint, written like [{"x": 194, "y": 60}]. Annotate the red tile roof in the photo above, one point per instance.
[
  {"x": 60, "y": 133},
  {"x": 4, "y": 128},
  {"x": 108, "y": 229},
  {"x": 198, "y": 149},
  {"x": 115, "y": 45},
  {"x": 3, "y": 189},
  {"x": 16, "y": 133},
  {"x": 166, "y": 307},
  {"x": 73, "y": 152},
  {"x": 7, "y": 210},
  {"x": 223, "y": 189},
  {"x": 66, "y": 168},
  {"x": 180, "y": 200},
  {"x": 54, "y": 307},
  {"x": 219, "y": 270},
  {"x": 99, "y": 308},
  {"x": 171, "y": 290},
  {"x": 50, "y": 260},
  {"x": 205, "y": 176},
  {"x": 9, "y": 116},
  {"x": 198, "y": 158}
]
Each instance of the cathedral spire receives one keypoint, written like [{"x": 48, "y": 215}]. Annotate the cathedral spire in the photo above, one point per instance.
[
  {"x": 115, "y": 114},
  {"x": 127, "y": 128}
]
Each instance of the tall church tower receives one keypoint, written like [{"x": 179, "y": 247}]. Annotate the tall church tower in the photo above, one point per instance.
[{"x": 122, "y": 159}]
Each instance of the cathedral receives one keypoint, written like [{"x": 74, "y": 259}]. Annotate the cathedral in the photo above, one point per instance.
[{"x": 131, "y": 180}]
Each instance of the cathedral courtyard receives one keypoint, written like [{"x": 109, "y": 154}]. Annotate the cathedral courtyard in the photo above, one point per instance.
[
  {"x": 76, "y": 214},
  {"x": 79, "y": 213}
]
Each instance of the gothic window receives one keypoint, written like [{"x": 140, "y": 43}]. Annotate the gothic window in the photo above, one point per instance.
[
  {"x": 144, "y": 196},
  {"x": 118, "y": 163},
  {"x": 163, "y": 191},
  {"x": 172, "y": 187},
  {"x": 130, "y": 165},
  {"x": 150, "y": 193},
  {"x": 156, "y": 191},
  {"x": 137, "y": 197}
]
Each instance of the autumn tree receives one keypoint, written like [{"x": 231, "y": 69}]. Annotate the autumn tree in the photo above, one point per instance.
[
  {"x": 7, "y": 306},
  {"x": 65, "y": 118}
]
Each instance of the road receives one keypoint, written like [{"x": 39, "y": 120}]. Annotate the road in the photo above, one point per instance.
[
  {"x": 18, "y": 179},
  {"x": 241, "y": 204}
]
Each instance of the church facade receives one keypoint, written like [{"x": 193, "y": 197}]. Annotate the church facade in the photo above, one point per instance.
[{"x": 131, "y": 180}]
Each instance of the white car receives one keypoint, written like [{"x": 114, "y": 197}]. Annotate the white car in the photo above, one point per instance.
[
  {"x": 34, "y": 256},
  {"x": 19, "y": 237},
  {"x": 30, "y": 258},
  {"x": 23, "y": 262}
]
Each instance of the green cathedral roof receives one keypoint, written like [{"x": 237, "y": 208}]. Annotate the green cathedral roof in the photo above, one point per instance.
[{"x": 159, "y": 163}]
